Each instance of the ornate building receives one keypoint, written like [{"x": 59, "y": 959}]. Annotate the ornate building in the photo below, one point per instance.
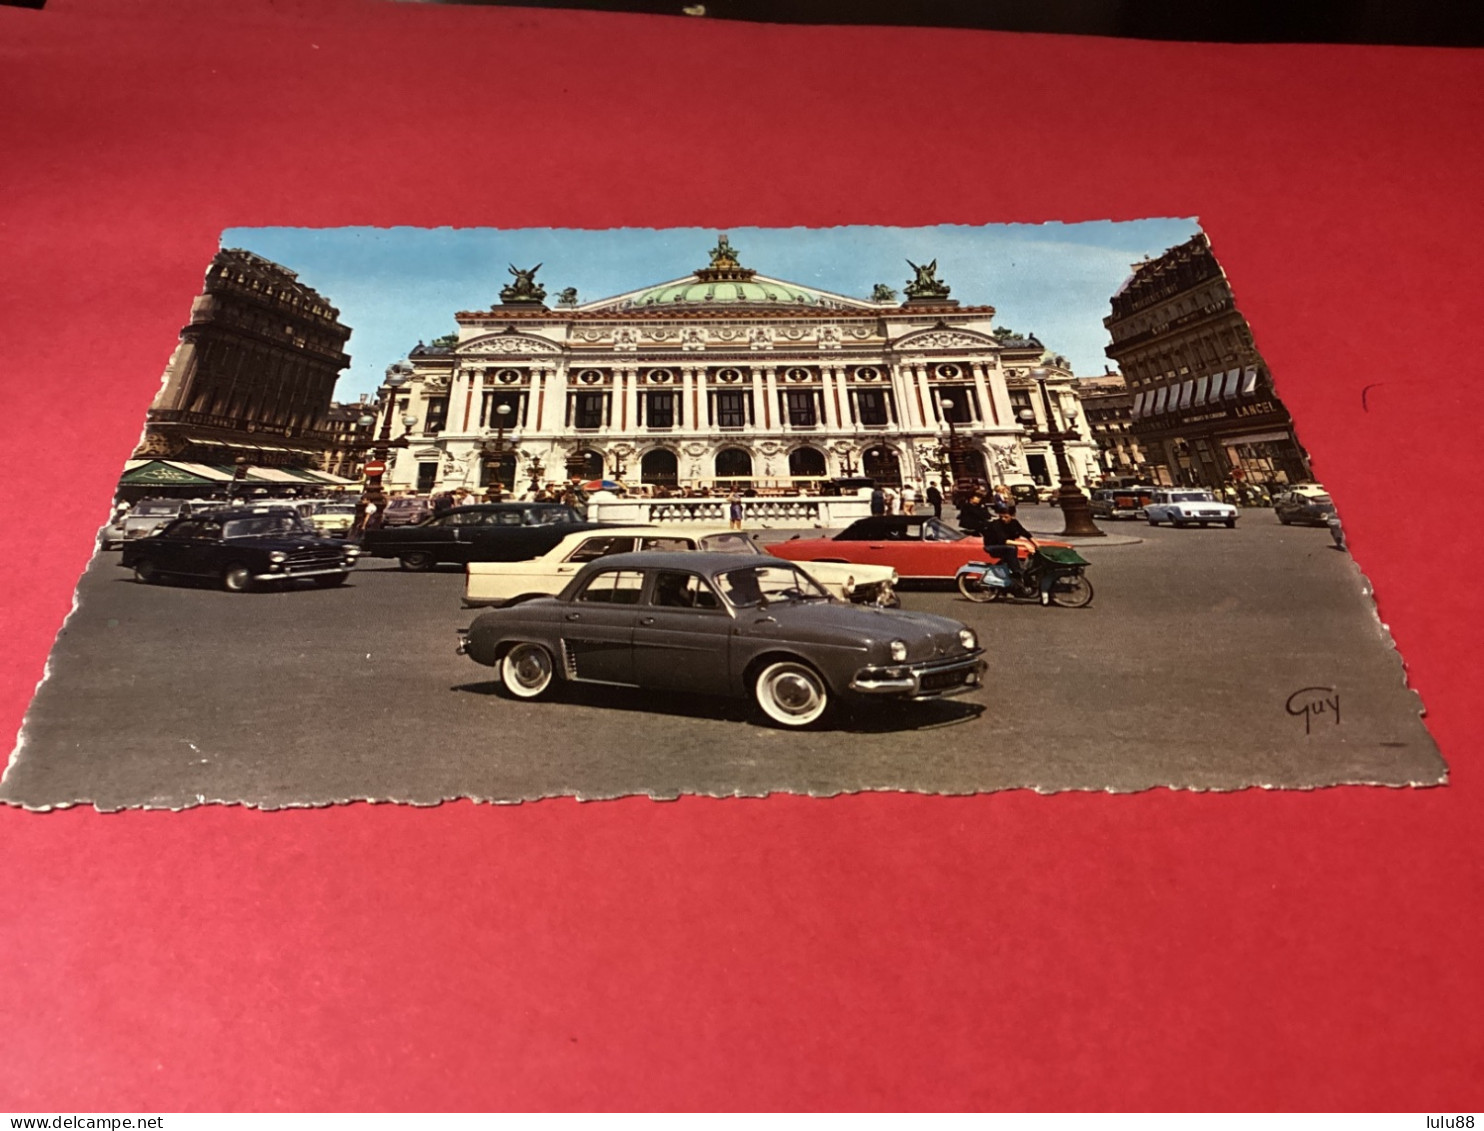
[
  {"x": 1203, "y": 410},
  {"x": 351, "y": 437},
  {"x": 1107, "y": 406},
  {"x": 254, "y": 373},
  {"x": 723, "y": 377}
]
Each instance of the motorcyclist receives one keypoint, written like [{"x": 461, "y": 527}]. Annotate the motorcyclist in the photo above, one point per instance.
[{"x": 999, "y": 539}]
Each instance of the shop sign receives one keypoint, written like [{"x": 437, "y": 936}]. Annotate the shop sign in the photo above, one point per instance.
[
  {"x": 1261, "y": 408},
  {"x": 163, "y": 474},
  {"x": 1200, "y": 416}
]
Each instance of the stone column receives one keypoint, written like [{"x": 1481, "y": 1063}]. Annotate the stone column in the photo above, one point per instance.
[
  {"x": 994, "y": 377},
  {"x": 771, "y": 419},
  {"x": 927, "y": 406},
  {"x": 828, "y": 378},
  {"x": 689, "y": 410},
  {"x": 988, "y": 414},
  {"x": 532, "y": 421},
  {"x": 757, "y": 393},
  {"x": 702, "y": 403}
]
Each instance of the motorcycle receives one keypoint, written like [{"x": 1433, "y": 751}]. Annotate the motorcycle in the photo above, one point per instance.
[{"x": 1053, "y": 575}]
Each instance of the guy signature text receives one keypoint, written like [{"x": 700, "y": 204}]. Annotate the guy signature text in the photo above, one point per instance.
[{"x": 1314, "y": 704}]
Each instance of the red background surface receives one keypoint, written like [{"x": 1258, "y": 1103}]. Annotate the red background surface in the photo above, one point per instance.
[{"x": 1165, "y": 950}]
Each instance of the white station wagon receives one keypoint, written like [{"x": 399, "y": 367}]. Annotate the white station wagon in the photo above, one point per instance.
[
  {"x": 1187, "y": 506},
  {"x": 499, "y": 583}
]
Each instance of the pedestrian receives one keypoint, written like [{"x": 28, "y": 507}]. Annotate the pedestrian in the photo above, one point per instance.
[
  {"x": 734, "y": 510},
  {"x": 878, "y": 501},
  {"x": 891, "y": 501},
  {"x": 372, "y": 513},
  {"x": 935, "y": 499},
  {"x": 442, "y": 503},
  {"x": 973, "y": 517},
  {"x": 909, "y": 499}
]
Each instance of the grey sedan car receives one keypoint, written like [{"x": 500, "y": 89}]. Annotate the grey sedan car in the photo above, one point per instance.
[{"x": 715, "y": 624}]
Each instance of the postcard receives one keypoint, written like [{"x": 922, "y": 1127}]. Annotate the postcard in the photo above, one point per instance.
[{"x": 503, "y": 515}]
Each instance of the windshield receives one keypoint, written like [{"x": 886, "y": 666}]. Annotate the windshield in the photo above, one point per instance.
[
  {"x": 336, "y": 508},
  {"x": 1192, "y": 497},
  {"x": 157, "y": 508},
  {"x": 261, "y": 524},
  {"x": 759, "y": 585},
  {"x": 936, "y": 530},
  {"x": 731, "y": 543},
  {"x": 548, "y": 516}
]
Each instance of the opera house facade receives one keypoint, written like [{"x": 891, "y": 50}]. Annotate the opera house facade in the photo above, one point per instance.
[{"x": 724, "y": 378}]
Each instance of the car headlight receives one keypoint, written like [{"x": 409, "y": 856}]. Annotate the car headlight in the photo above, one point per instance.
[
  {"x": 278, "y": 557},
  {"x": 898, "y": 650},
  {"x": 967, "y": 638},
  {"x": 352, "y": 551}
]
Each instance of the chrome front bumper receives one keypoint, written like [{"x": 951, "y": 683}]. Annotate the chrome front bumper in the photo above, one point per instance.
[
  {"x": 318, "y": 571},
  {"x": 931, "y": 679}
]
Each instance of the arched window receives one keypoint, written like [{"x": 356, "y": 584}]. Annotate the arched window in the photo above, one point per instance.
[
  {"x": 880, "y": 463},
  {"x": 501, "y": 468},
  {"x": 733, "y": 463},
  {"x": 806, "y": 463},
  {"x": 585, "y": 464},
  {"x": 659, "y": 467}
]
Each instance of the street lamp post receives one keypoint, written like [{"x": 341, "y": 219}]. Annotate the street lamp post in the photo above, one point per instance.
[
  {"x": 496, "y": 448},
  {"x": 955, "y": 455},
  {"x": 537, "y": 471},
  {"x": 1076, "y": 513},
  {"x": 396, "y": 377}
]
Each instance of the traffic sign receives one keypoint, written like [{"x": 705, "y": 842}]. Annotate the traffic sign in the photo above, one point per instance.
[{"x": 375, "y": 467}]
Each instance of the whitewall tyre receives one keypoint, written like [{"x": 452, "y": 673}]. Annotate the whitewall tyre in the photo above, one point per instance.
[
  {"x": 527, "y": 671},
  {"x": 791, "y": 694}
]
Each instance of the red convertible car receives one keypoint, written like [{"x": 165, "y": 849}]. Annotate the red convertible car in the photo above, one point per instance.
[{"x": 914, "y": 546}]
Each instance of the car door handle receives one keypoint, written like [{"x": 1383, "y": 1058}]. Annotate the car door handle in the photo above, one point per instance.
[
  {"x": 574, "y": 616},
  {"x": 646, "y": 620}
]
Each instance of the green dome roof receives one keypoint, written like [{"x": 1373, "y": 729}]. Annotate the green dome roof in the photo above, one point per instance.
[{"x": 699, "y": 292}]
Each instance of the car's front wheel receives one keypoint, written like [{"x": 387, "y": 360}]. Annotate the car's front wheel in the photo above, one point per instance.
[
  {"x": 416, "y": 562},
  {"x": 791, "y": 693},
  {"x": 146, "y": 573},
  {"x": 237, "y": 579},
  {"x": 527, "y": 671}
]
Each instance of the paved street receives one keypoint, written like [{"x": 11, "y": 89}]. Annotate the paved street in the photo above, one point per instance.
[{"x": 1180, "y": 673}]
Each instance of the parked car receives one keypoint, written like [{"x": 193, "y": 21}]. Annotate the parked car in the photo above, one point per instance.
[
  {"x": 407, "y": 510},
  {"x": 1120, "y": 502},
  {"x": 1188, "y": 506},
  {"x": 916, "y": 546},
  {"x": 1027, "y": 494},
  {"x": 333, "y": 519},
  {"x": 150, "y": 515},
  {"x": 240, "y": 548},
  {"x": 111, "y": 537},
  {"x": 714, "y": 624},
  {"x": 498, "y": 583},
  {"x": 487, "y": 532},
  {"x": 1302, "y": 504}
]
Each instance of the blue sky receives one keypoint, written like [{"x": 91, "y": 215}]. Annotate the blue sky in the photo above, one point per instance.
[{"x": 396, "y": 286}]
